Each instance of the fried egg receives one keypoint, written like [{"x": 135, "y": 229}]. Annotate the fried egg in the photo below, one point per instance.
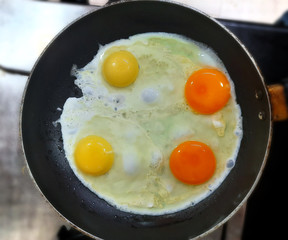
[{"x": 158, "y": 127}]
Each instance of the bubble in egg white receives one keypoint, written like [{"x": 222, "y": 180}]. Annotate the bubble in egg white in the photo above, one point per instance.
[
  {"x": 149, "y": 95},
  {"x": 131, "y": 136},
  {"x": 230, "y": 163},
  {"x": 131, "y": 162}
]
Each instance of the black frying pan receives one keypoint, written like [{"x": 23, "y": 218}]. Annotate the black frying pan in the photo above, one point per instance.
[{"x": 51, "y": 83}]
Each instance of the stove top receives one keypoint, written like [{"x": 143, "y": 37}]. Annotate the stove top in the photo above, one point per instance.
[{"x": 268, "y": 44}]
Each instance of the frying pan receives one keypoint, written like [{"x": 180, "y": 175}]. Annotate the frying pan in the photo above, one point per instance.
[{"x": 51, "y": 83}]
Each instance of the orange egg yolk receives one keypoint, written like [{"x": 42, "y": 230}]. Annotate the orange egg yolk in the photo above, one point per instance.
[
  {"x": 120, "y": 69},
  {"x": 207, "y": 91},
  {"x": 192, "y": 162},
  {"x": 94, "y": 155}
]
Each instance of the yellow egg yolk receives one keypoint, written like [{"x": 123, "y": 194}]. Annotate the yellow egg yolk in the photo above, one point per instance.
[
  {"x": 207, "y": 91},
  {"x": 94, "y": 155},
  {"x": 120, "y": 69},
  {"x": 192, "y": 162}
]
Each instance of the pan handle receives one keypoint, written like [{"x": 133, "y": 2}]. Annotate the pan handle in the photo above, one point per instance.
[{"x": 279, "y": 100}]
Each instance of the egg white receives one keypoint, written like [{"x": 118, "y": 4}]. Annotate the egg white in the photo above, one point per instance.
[{"x": 145, "y": 121}]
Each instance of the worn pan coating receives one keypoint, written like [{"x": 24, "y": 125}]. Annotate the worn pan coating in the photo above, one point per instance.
[{"x": 51, "y": 83}]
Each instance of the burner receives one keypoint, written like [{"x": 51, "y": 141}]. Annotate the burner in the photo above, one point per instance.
[{"x": 71, "y": 234}]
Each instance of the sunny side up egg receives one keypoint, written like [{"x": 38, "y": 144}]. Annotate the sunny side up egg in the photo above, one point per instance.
[{"x": 158, "y": 127}]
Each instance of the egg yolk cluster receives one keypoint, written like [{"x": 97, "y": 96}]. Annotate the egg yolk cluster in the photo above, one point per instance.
[{"x": 206, "y": 92}]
